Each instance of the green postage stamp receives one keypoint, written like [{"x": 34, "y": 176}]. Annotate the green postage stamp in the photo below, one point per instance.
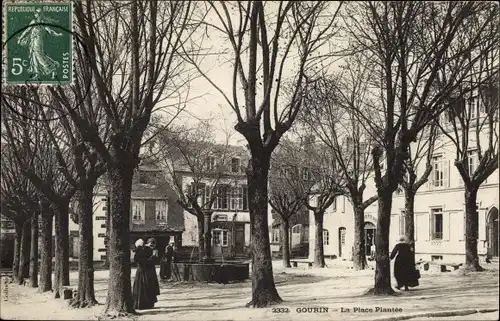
[{"x": 38, "y": 43}]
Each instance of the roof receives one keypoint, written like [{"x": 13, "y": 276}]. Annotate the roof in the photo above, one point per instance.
[{"x": 150, "y": 191}]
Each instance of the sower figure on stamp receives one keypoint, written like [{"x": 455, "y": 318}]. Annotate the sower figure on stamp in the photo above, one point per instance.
[
  {"x": 32, "y": 38},
  {"x": 403, "y": 266},
  {"x": 166, "y": 262}
]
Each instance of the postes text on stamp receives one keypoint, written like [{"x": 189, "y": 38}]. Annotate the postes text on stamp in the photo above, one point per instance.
[{"x": 39, "y": 43}]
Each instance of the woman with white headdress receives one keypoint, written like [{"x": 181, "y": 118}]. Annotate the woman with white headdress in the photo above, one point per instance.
[
  {"x": 403, "y": 266},
  {"x": 141, "y": 292}
]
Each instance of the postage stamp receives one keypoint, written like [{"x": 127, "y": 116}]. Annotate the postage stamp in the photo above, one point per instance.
[{"x": 38, "y": 43}]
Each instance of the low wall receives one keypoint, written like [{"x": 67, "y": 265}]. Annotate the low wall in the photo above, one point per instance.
[{"x": 214, "y": 272}]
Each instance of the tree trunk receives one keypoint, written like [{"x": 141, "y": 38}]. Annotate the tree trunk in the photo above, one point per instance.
[
  {"x": 61, "y": 266},
  {"x": 319, "y": 253},
  {"x": 285, "y": 232},
  {"x": 383, "y": 267},
  {"x": 201, "y": 238},
  {"x": 119, "y": 297},
  {"x": 34, "y": 251},
  {"x": 471, "y": 230},
  {"x": 359, "y": 252},
  {"x": 17, "y": 252},
  {"x": 46, "y": 252},
  {"x": 410, "y": 218},
  {"x": 85, "y": 296},
  {"x": 24, "y": 260},
  {"x": 264, "y": 291}
]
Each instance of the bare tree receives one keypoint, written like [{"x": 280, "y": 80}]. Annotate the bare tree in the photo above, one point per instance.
[
  {"x": 124, "y": 45},
  {"x": 471, "y": 124},
  {"x": 421, "y": 150},
  {"x": 196, "y": 168},
  {"x": 286, "y": 194},
  {"x": 331, "y": 114},
  {"x": 30, "y": 146},
  {"x": 19, "y": 200},
  {"x": 279, "y": 37},
  {"x": 408, "y": 44}
]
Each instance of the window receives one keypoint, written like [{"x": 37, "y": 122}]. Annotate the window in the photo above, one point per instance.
[
  {"x": 326, "y": 237},
  {"x": 402, "y": 223},
  {"x": 100, "y": 218},
  {"x": 342, "y": 232},
  {"x": 276, "y": 235},
  {"x": 236, "y": 198},
  {"x": 235, "y": 165},
  {"x": 436, "y": 257},
  {"x": 138, "y": 211},
  {"x": 334, "y": 204},
  {"x": 161, "y": 211},
  {"x": 296, "y": 229},
  {"x": 221, "y": 201},
  {"x": 211, "y": 163},
  {"x": 439, "y": 171},
  {"x": 219, "y": 237},
  {"x": 437, "y": 224},
  {"x": 245, "y": 197},
  {"x": 306, "y": 174},
  {"x": 472, "y": 106},
  {"x": 472, "y": 162}
]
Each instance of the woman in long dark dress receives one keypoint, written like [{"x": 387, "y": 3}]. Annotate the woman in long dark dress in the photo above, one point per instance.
[
  {"x": 153, "y": 285},
  {"x": 141, "y": 294},
  {"x": 403, "y": 266}
]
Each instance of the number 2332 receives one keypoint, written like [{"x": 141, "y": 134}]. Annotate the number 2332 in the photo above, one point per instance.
[{"x": 281, "y": 310}]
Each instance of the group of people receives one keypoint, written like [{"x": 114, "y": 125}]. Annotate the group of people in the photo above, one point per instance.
[{"x": 146, "y": 287}]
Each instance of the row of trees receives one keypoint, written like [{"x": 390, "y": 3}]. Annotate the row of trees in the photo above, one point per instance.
[{"x": 403, "y": 65}]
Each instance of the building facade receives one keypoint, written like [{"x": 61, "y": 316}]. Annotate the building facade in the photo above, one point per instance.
[
  {"x": 230, "y": 218},
  {"x": 439, "y": 213}
]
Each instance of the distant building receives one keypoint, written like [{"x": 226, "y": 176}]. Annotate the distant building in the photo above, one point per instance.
[
  {"x": 230, "y": 221},
  {"x": 439, "y": 213},
  {"x": 154, "y": 212}
]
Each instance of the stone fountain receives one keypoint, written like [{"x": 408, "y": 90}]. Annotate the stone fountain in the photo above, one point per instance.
[{"x": 209, "y": 270}]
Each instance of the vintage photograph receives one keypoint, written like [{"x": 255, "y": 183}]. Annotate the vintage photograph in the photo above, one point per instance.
[{"x": 249, "y": 160}]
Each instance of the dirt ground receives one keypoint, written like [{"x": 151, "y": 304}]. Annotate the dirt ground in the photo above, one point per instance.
[{"x": 338, "y": 292}]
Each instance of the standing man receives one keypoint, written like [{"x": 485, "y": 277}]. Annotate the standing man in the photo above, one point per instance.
[{"x": 166, "y": 262}]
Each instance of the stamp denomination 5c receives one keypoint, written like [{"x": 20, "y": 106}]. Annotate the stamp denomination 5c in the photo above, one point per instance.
[{"x": 39, "y": 43}]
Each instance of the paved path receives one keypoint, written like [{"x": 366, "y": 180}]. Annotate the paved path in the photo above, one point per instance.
[{"x": 331, "y": 290}]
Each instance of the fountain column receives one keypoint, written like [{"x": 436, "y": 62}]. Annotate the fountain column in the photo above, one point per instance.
[{"x": 207, "y": 217}]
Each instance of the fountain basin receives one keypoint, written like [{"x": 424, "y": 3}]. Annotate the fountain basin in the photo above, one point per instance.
[{"x": 217, "y": 272}]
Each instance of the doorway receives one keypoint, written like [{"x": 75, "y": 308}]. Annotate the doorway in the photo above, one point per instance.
[
  {"x": 342, "y": 249},
  {"x": 369, "y": 237},
  {"x": 492, "y": 231},
  {"x": 239, "y": 239}
]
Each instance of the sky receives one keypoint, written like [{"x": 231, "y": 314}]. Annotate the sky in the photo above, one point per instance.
[{"x": 205, "y": 101}]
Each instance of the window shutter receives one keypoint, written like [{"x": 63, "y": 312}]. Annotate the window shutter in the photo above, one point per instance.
[
  {"x": 416, "y": 226},
  {"x": 463, "y": 231},
  {"x": 481, "y": 226},
  {"x": 446, "y": 173},
  {"x": 430, "y": 226},
  {"x": 446, "y": 226}
]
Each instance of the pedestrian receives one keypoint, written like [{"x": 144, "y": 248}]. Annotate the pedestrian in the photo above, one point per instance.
[
  {"x": 372, "y": 251},
  {"x": 141, "y": 294},
  {"x": 154, "y": 285},
  {"x": 166, "y": 262},
  {"x": 404, "y": 268}
]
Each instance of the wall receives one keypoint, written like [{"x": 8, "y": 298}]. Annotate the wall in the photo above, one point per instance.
[{"x": 450, "y": 198}]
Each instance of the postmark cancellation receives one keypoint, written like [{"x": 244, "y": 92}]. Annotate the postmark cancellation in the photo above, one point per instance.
[{"x": 38, "y": 43}]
